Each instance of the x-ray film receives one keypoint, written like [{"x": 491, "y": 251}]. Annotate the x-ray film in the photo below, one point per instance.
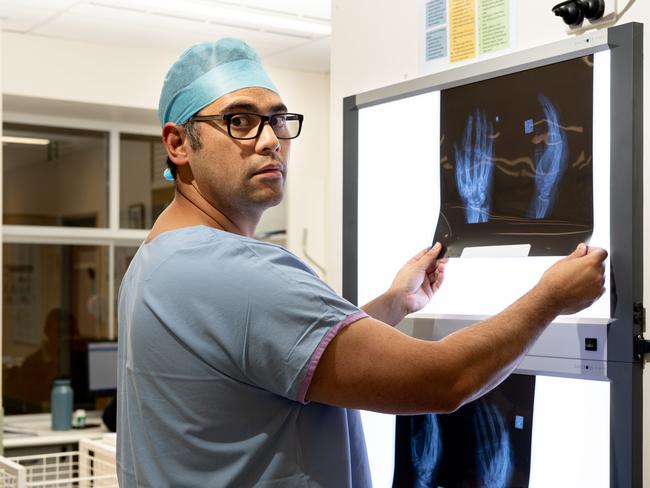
[
  {"x": 486, "y": 443},
  {"x": 407, "y": 190},
  {"x": 516, "y": 161}
]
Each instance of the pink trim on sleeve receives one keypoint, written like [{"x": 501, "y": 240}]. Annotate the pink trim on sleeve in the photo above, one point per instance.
[{"x": 315, "y": 358}]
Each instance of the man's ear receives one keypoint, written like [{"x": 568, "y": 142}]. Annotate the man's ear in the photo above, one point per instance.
[{"x": 175, "y": 143}]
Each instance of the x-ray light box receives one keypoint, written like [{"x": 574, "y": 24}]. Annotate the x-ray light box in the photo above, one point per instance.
[
  {"x": 510, "y": 163},
  {"x": 509, "y": 173}
]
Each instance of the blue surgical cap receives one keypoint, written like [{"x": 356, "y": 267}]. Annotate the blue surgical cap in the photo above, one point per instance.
[{"x": 206, "y": 72}]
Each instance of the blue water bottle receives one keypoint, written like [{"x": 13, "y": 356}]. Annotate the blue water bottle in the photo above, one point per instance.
[{"x": 61, "y": 405}]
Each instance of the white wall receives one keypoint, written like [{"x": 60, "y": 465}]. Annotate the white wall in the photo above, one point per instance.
[
  {"x": 1, "y": 264},
  {"x": 307, "y": 93},
  {"x": 383, "y": 49},
  {"x": 52, "y": 69}
]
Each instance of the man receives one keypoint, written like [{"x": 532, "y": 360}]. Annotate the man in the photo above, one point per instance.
[{"x": 238, "y": 366}]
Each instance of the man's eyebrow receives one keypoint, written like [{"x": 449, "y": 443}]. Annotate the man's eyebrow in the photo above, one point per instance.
[
  {"x": 249, "y": 107},
  {"x": 280, "y": 107}
]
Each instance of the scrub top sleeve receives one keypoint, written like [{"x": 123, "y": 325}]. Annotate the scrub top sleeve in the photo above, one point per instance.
[
  {"x": 251, "y": 311},
  {"x": 292, "y": 317}
]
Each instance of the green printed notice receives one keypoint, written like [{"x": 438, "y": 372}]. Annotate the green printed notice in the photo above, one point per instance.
[{"x": 493, "y": 25}]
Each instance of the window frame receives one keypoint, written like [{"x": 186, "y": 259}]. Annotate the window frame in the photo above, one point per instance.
[{"x": 112, "y": 236}]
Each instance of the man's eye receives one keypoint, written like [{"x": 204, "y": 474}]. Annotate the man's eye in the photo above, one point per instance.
[
  {"x": 279, "y": 121},
  {"x": 241, "y": 121}
]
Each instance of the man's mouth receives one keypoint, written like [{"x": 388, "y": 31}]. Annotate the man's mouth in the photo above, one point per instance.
[{"x": 271, "y": 169}]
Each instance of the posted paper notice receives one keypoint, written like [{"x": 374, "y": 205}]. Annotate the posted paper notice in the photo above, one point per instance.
[
  {"x": 493, "y": 25},
  {"x": 462, "y": 30},
  {"x": 436, "y": 44},
  {"x": 436, "y": 13}
]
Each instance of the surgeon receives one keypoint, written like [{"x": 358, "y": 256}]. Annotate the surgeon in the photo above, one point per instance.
[{"x": 238, "y": 366}]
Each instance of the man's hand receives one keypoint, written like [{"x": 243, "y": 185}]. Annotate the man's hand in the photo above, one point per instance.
[
  {"x": 418, "y": 280},
  {"x": 575, "y": 282},
  {"x": 411, "y": 289}
]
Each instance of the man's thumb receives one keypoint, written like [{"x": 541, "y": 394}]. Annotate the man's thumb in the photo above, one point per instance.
[
  {"x": 431, "y": 255},
  {"x": 580, "y": 251}
]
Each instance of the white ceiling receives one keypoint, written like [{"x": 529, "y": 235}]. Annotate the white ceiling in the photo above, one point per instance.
[{"x": 292, "y": 34}]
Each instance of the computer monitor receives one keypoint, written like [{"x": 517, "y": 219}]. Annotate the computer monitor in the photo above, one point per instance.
[{"x": 102, "y": 367}]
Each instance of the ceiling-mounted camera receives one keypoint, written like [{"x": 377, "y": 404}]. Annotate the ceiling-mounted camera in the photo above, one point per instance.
[{"x": 573, "y": 12}]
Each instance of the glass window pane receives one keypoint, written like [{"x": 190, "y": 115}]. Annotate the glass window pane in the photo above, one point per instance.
[
  {"x": 54, "y": 302},
  {"x": 54, "y": 176},
  {"x": 144, "y": 193}
]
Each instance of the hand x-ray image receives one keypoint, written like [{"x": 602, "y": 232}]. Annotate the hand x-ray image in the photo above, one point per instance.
[
  {"x": 484, "y": 444},
  {"x": 516, "y": 160}
]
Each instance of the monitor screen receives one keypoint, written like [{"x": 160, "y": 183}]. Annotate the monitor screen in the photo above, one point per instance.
[
  {"x": 530, "y": 431},
  {"x": 509, "y": 173},
  {"x": 102, "y": 367}
]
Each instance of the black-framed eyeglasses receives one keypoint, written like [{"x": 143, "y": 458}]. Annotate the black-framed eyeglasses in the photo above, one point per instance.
[{"x": 249, "y": 125}]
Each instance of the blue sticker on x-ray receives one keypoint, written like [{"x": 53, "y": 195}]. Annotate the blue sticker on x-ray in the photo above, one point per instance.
[
  {"x": 529, "y": 126},
  {"x": 519, "y": 422}
]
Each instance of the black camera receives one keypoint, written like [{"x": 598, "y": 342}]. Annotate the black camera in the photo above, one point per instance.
[{"x": 573, "y": 12}]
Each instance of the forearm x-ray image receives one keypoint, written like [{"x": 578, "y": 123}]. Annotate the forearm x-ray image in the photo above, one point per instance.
[
  {"x": 484, "y": 444},
  {"x": 493, "y": 451},
  {"x": 550, "y": 161},
  {"x": 474, "y": 167}
]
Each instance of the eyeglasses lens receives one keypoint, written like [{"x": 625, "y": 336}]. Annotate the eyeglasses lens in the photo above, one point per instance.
[{"x": 246, "y": 126}]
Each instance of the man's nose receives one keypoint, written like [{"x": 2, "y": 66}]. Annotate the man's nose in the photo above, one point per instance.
[{"x": 267, "y": 140}]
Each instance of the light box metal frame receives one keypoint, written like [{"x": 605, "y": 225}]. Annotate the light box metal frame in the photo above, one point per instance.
[{"x": 560, "y": 351}]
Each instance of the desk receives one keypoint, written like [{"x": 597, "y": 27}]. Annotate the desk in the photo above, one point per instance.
[{"x": 33, "y": 434}]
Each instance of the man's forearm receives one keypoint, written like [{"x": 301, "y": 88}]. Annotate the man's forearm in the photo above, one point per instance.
[
  {"x": 491, "y": 349},
  {"x": 374, "y": 367},
  {"x": 387, "y": 308}
]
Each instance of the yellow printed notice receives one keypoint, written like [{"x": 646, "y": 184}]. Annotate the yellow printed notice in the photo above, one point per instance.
[{"x": 462, "y": 30}]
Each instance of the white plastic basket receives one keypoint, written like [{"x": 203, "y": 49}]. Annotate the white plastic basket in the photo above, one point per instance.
[{"x": 93, "y": 465}]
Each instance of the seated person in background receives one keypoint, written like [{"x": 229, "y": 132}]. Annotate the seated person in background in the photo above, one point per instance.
[{"x": 28, "y": 386}]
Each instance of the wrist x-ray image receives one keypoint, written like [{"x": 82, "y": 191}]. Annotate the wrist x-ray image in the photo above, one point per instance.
[
  {"x": 516, "y": 161},
  {"x": 485, "y": 444}
]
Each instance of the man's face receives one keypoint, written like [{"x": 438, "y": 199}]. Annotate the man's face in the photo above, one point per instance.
[{"x": 241, "y": 177}]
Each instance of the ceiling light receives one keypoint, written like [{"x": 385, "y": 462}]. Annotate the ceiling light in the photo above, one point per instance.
[
  {"x": 228, "y": 13},
  {"x": 25, "y": 140}
]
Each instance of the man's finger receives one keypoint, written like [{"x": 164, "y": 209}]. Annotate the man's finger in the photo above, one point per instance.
[
  {"x": 579, "y": 251},
  {"x": 598, "y": 254},
  {"x": 418, "y": 256},
  {"x": 433, "y": 253},
  {"x": 440, "y": 278},
  {"x": 438, "y": 264},
  {"x": 429, "y": 255}
]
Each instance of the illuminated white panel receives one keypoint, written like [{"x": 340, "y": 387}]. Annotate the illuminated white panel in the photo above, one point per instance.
[
  {"x": 570, "y": 444},
  {"x": 399, "y": 181},
  {"x": 399, "y": 203},
  {"x": 379, "y": 430}
]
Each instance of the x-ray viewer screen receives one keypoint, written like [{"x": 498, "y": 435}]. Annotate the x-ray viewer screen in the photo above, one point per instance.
[
  {"x": 509, "y": 173},
  {"x": 519, "y": 435}
]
